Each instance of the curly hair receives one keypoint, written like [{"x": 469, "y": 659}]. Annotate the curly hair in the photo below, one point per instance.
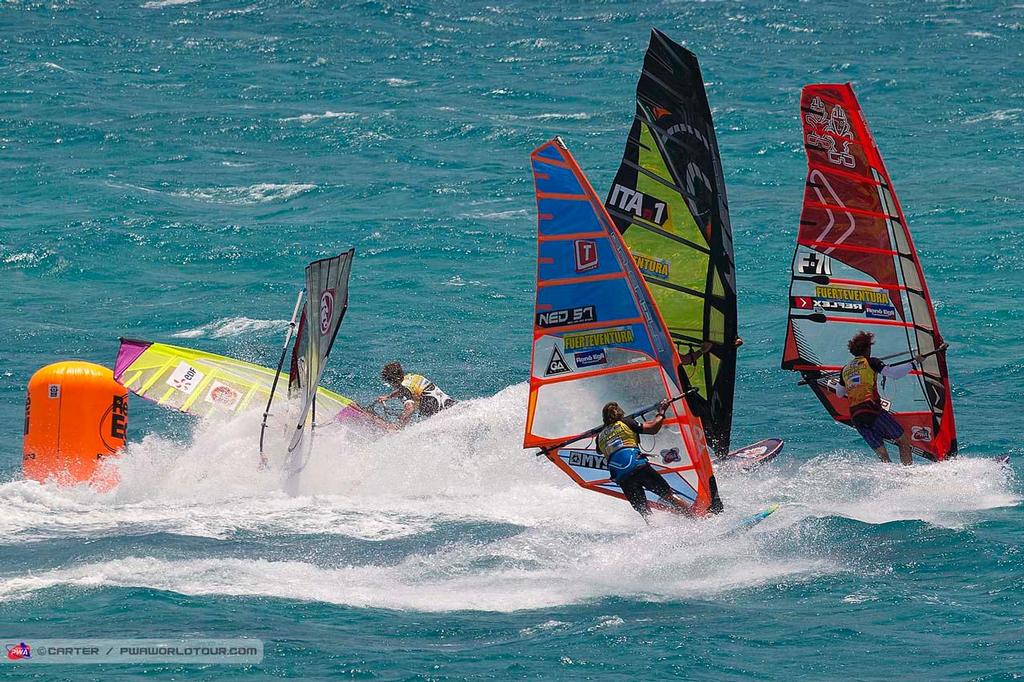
[
  {"x": 860, "y": 344},
  {"x": 393, "y": 373},
  {"x": 612, "y": 413}
]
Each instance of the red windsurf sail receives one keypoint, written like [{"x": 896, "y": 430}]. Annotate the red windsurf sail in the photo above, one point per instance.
[{"x": 856, "y": 268}]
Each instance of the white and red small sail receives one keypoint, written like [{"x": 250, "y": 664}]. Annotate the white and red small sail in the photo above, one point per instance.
[
  {"x": 598, "y": 337},
  {"x": 856, "y": 268},
  {"x": 326, "y": 303}
]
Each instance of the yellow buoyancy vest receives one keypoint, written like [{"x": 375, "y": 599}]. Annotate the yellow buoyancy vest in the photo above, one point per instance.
[
  {"x": 616, "y": 436},
  {"x": 416, "y": 385},
  {"x": 861, "y": 382}
]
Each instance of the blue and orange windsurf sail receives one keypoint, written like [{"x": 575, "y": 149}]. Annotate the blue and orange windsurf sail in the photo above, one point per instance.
[
  {"x": 598, "y": 337},
  {"x": 856, "y": 268}
]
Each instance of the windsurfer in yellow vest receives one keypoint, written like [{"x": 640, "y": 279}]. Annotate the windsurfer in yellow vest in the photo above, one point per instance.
[
  {"x": 417, "y": 393},
  {"x": 619, "y": 443},
  {"x": 858, "y": 381}
]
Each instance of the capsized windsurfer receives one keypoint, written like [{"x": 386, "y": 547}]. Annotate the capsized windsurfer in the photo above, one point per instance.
[
  {"x": 619, "y": 443},
  {"x": 858, "y": 381},
  {"x": 416, "y": 392}
]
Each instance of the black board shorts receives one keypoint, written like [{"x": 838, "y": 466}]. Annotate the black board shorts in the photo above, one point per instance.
[{"x": 645, "y": 478}]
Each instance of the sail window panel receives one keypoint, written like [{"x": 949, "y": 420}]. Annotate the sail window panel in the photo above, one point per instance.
[
  {"x": 715, "y": 363},
  {"x": 570, "y": 407},
  {"x": 921, "y": 310}
]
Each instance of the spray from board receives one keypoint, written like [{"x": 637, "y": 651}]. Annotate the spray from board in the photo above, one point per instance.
[{"x": 405, "y": 525}]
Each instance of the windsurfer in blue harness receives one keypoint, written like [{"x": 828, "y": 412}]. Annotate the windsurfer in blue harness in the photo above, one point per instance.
[
  {"x": 619, "y": 443},
  {"x": 858, "y": 381},
  {"x": 417, "y": 393}
]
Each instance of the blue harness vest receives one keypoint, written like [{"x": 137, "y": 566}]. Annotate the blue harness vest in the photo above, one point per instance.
[
  {"x": 620, "y": 445},
  {"x": 625, "y": 461}
]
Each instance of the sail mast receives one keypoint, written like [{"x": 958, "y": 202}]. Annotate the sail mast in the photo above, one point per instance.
[{"x": 277, "y": 372}]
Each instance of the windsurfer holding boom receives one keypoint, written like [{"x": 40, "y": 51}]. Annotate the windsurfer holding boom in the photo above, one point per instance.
[
  {"x": 858, "y": 381},
  {"x": 691, "y": 358},
  {"x": 619, "y": 443},
  {"x": 699, "y": 404},
  {"x": 417, "y": 393}
]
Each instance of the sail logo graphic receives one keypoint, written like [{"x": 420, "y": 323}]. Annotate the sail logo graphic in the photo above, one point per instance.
[
  {"x": 590, "y": 358},
  {"x": 19, "y": 651},
  {"x": 326, "y": 311},
  {"x": 185, "y": 378},
  {"x": 813, "y": 263},
  {"x": 659, "y": 268},
  {"x": 825, "y": 127},
  {"x": 921, "y": 434},
  {"x": 829, "y": 306},
  {"x": 639, "y": 204},
  {"x": 587, "y": 460},
  {"x": 557, "y": 363},
  {"x": 843, "y": 294},
  {"x": 222, "y": 395},
  {"x": 598, "y": 338},
  {"x": 567, "y": 316},
  {"x": 586, "y": 254},
  {"x": 879, "y": 312}
]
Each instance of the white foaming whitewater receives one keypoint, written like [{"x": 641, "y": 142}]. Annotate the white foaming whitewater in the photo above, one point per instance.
[
  {"x": 491, "y": 526},
  {"x": 232, "y": 326}
]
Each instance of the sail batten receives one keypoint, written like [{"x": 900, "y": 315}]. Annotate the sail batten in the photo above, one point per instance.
[{"x": 855, "y": 266}]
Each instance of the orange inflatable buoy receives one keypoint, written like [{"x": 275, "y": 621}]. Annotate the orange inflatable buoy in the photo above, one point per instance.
[{"x": 75, "y": 416}]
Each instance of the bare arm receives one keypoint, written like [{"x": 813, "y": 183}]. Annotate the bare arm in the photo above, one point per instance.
[
  {"x": 694, "y": 355},
  {"x": 407, "y": 412},
  {"x": 652, "y": 426},
  {"x": 897, "y": 371},
  {"x": 389, "y": 396}
]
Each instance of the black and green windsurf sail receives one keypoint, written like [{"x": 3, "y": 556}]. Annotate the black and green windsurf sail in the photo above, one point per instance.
[{"x": 668, "y": 201}]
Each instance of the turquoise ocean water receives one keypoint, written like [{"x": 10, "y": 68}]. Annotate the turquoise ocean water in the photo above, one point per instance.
[{"x": 168, "y": 167}]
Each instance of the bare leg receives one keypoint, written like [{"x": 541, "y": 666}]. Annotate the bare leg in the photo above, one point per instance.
[
  {"x": 906, "y": 456},
  {"x": 883, "y": 454}
]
